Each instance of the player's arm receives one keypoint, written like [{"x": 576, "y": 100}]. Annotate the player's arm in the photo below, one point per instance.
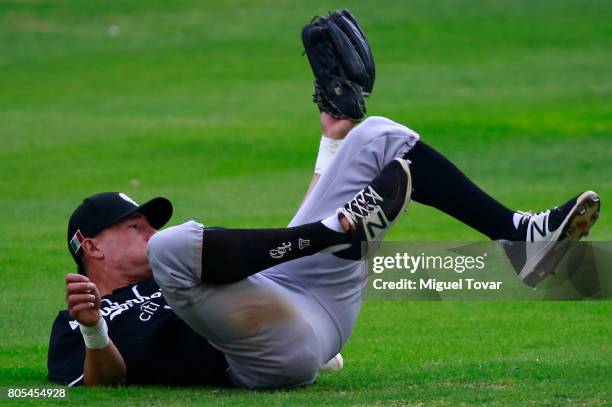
[
  {"x": 343, "y": 66},
  {"x": 334, "y": 131},
  {"x": 104, "y": 365}
]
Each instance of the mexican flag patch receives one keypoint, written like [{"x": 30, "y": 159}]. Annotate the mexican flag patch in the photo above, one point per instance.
[{"x": 76, "y": 241}]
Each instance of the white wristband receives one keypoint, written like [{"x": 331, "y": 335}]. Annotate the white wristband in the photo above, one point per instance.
[
  {"x": 327, "y": 150},
  {"x": 95, "y": 337}
]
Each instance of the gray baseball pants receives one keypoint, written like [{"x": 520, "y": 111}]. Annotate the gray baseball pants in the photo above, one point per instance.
[{"x": 278, "y": 327}]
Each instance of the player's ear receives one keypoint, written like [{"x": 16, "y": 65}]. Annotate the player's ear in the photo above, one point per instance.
[{"x": 91, "y": 249}]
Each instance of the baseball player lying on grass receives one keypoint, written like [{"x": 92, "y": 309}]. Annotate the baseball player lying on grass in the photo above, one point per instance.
[{"x": 266, "y": 308}]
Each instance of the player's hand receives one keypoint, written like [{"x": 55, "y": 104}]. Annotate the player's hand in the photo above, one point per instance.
[
  {"x": 334, "y": 128},
  {"x": 83, "y": 299}
]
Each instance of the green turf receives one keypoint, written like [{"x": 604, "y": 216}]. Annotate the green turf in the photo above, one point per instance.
[{"x": 208, "y": 103}]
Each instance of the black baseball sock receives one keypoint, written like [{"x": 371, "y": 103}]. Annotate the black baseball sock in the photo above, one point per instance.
[
  {"x": 229, "y": 255},
  {"x": 439, "y": 183}
]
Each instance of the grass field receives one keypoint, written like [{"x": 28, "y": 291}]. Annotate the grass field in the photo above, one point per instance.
[{"x": 208, "y": 103}]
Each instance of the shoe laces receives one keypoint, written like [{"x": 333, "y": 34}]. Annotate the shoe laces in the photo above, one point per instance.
[
  {"x": 361, "y": 205},
  {"x": 526, "y": 215}
]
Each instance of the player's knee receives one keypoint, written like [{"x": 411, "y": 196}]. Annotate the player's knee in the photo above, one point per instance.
[
  {"x": 364, "y": 132},
  {"x": 175, "y": 255},
  {"x": 295, "y": 362},
  {"x": 300, "y": 368},
  {"x": 375, "y": 127}
]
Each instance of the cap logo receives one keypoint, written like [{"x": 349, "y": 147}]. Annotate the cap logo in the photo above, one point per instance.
[
  {"x": 76, "y": 241},
  {"x": 127, "y": 198}
]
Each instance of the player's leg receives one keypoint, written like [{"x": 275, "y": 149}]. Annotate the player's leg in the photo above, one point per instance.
[
  {"x": 336, "y": 282},
  {"x": 230, "y": 255},
  {"x": 262, "y": 325},
  {"x": 269, "y": 325},
  {"x": 439, "y": 183},
  {"x": 273, "y": 330},
  {"x": 367, "y": 149}
]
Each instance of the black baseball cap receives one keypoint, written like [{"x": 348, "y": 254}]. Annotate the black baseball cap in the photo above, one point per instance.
[{"x": 100, "y": 211}]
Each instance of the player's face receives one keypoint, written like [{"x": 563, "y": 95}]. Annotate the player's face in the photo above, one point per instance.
[{"x": 124, "y": 246}]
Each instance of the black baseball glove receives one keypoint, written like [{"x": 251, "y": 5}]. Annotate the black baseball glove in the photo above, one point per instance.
[{"x": 342, "y": 63}]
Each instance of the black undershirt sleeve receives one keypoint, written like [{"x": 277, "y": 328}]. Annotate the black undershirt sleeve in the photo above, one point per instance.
[{"x": 66, "y": 353}]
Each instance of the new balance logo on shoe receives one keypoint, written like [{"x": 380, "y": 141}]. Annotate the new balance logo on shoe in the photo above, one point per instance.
[
  {"x": 372, "y": 226},
  {"x": 374, "y": 209},
  {"x": 540, "y": 229},
  {"x": 548, "y": 234}
]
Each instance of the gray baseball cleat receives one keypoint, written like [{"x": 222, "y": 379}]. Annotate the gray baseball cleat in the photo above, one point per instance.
[
  {"x": 373, "y": 211},
  {"x": 548, "y": 236}
]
